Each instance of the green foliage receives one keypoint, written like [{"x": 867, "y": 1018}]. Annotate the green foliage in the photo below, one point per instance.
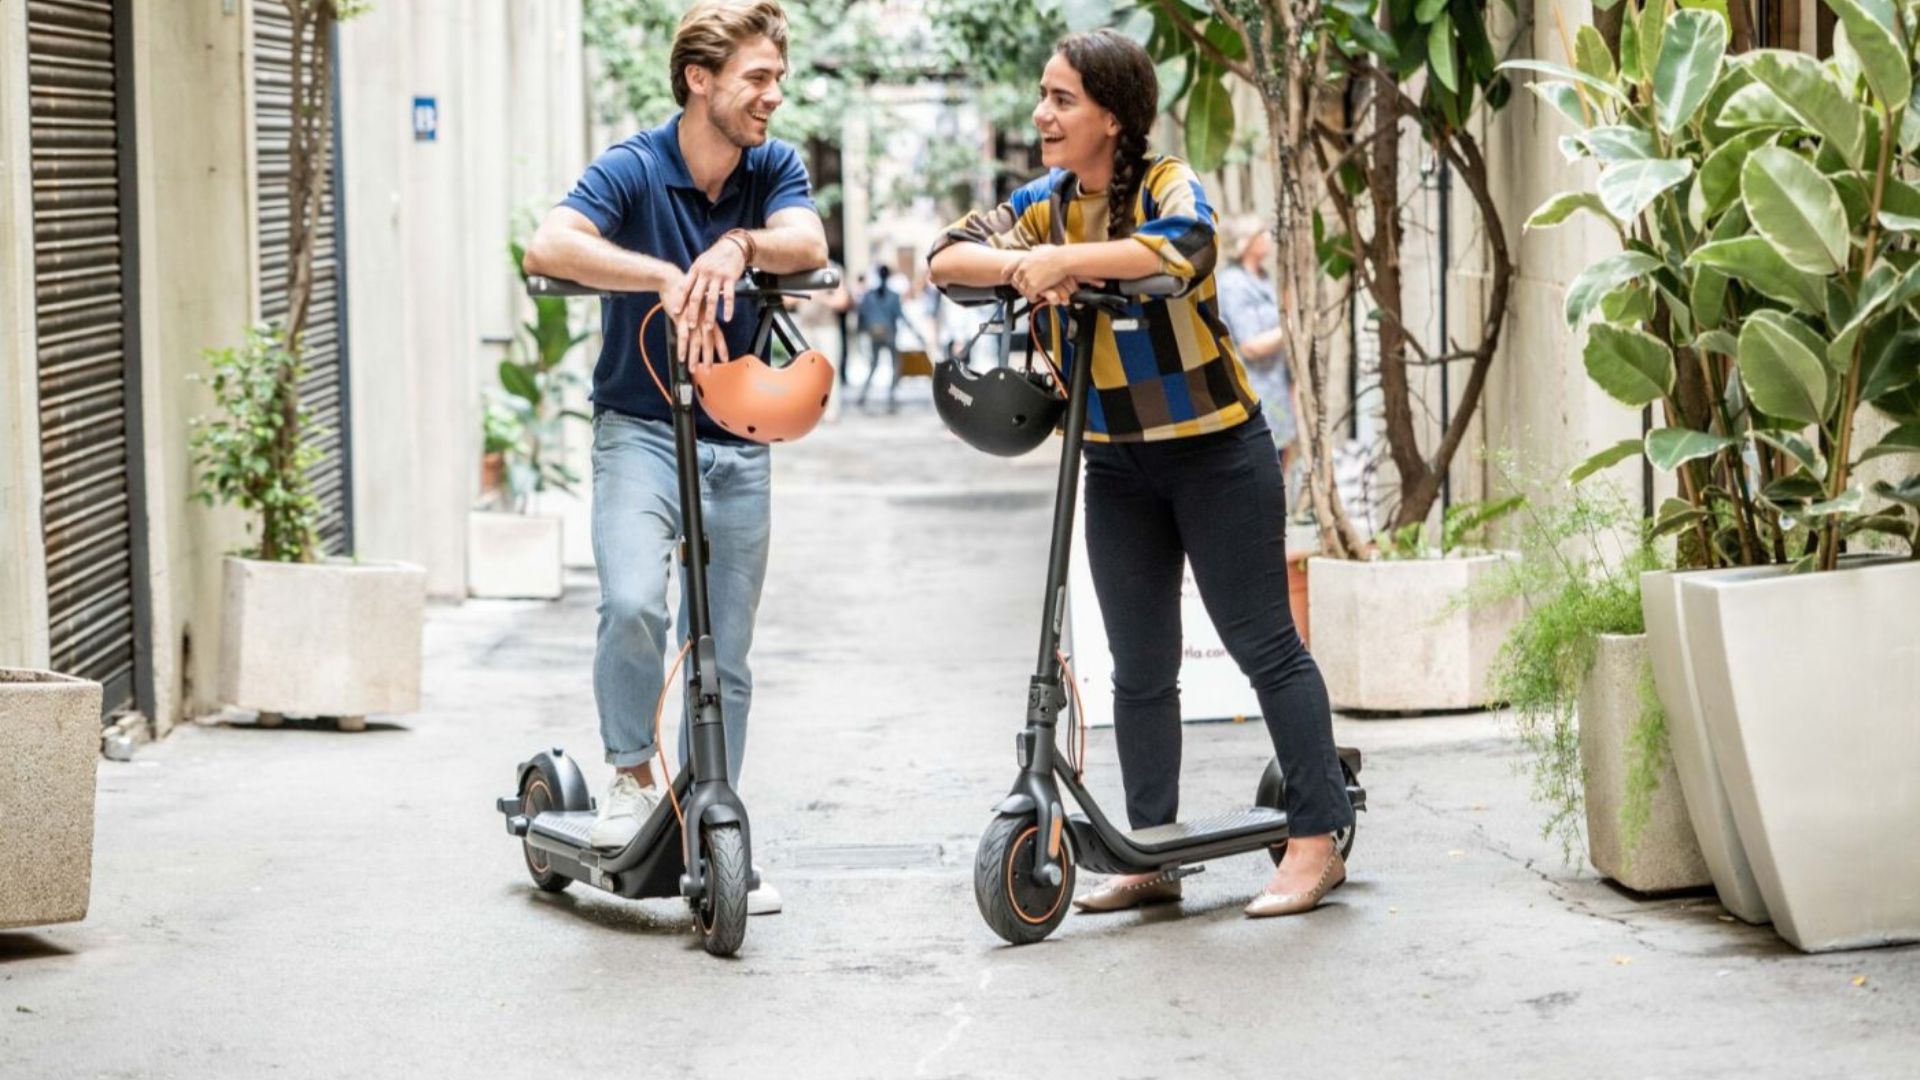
[
  {"x": 1463, "y": 527},
  {"x": 522, "y": 418},
  {"x": 256, "y": 452},
  {"x": 1770, "y": 270},
  {"x": 832, "y": 48},
  {"x": 1579, "y": 575}
]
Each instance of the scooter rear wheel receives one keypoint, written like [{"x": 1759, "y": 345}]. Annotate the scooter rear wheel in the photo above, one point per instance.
[
  {"x": 722, "y": 912},
  {"x": 1273, "y": 794},
  {"x": 1016, "y": 905},
  {"x": 537, "y": 797}
]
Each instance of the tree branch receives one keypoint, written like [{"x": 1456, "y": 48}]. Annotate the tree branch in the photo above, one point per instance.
[{"x": 1212, "y": 51}]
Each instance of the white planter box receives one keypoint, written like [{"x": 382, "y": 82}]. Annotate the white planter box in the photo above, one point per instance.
[
  {"x": 514, "y": 555},
  {"x": 49, "y": 749},
  {"x": 1666, "y": 856},
  {"x": 1669, "y": 644},
  {"x": 322, "y": 639},
  {"x": 1392, "y": 635},
  {"x": 1810, "y": 688}
]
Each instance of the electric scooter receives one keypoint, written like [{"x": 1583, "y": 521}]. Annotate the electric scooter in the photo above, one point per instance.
[
  {"x": 710, "y": 864},
  {"x": 1023, "y": 872}
]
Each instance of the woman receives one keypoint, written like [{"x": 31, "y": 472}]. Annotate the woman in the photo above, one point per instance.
[
  {"x": 1248, "y": 307},
  {"x": 1180, "y": 464}
]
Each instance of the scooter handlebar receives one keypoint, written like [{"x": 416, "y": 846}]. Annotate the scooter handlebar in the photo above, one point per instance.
[
  {"x": 1154, "y": 287},
  {"x": 756, "y": 284}
]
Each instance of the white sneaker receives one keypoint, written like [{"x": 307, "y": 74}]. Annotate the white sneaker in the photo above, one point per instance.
[
  {"x": 764, "y": 900},
  {"x": 626, "y": 806}
]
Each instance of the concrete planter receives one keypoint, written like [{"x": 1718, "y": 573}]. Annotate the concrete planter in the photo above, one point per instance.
[
  {"x": 322, "y": 639},
  {"x": 1669, "y": 643},
  {"x": 49, "y": 749},
  {"x": 514, "y": 555},
  {"x": 1666, "y": 856},
  {"x": 1393, "y": 636},
  {"x": 1810, "y": 690}
]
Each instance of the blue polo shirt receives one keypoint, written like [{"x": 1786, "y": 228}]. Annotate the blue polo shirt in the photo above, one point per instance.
[{"x": 640, "y": 196}]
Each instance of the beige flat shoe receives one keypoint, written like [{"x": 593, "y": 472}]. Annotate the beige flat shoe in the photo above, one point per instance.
[
  {"x": 1111, "y": 897},
  {"x": 1269, "y": 904}
]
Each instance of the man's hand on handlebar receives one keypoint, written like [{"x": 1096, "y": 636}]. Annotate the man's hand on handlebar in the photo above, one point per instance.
[{"x": 702, "y": 299}]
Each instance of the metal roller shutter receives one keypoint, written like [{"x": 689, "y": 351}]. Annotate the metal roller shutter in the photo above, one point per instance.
[
  {"x": 324, "y": 390},
  {"x": 85, "y": 290}
]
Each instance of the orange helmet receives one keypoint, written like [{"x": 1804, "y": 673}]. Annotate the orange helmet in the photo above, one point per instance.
[{"x": 755, "y": 400}]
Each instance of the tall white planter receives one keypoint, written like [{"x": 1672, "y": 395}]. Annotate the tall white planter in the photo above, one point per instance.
[
  {"x": 334, "y": 638},
  {"x": 1669, "y": 646},
  {"x": 1394, "y": 635},
  {"x": 1810, "y": 688},
  {"x": 1665, "y": 856},
  {"x": 49, "y": 750},
  {"x": 517, "y": 556}
]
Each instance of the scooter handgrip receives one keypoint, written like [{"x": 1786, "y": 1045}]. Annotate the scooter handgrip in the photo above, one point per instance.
[
  {"x": 1145, "y": 288},
  {"x": 969, "y": 295},
  {"x": 540, "y": 285},
  {"x": 807, "y": 281}
]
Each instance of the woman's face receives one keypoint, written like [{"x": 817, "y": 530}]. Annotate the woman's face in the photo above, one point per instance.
[
  {"x": 1075, "y": 134},
  {"x": 1258, "y": 249}
]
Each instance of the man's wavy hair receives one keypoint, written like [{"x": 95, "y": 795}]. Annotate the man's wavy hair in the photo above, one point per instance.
[{"x": 713, "y": 30}]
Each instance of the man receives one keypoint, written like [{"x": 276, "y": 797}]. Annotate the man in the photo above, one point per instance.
[{"x": 675, "y": 216}]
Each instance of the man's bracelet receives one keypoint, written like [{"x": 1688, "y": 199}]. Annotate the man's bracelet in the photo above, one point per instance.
[{"x": 743, "y": 238}]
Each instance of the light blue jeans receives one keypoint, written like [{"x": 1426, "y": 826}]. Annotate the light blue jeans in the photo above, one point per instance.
[{"x": 636, "y": 539}]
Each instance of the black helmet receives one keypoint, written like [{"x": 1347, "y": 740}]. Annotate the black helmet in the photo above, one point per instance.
[{"x": 1001, "y": 411}]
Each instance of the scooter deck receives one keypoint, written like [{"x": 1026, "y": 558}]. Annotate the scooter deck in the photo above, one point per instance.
[
  {"x": 1220, "y": 828},
  {"x": 649, "y": 866}
]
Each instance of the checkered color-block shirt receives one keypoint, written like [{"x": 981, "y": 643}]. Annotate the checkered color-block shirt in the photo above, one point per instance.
[{"x": 1175, "y": 376}]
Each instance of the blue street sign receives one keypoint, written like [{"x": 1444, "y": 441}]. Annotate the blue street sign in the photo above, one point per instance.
[{"x": 426, "y": 119}]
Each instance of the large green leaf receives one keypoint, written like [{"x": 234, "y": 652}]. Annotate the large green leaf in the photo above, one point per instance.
[
  {"x": 1601, "y": 278},
  {"x": 1895, "y": 366},
  {"x": 1590, "y": 53},
  {"x": 1758, "y": 265},
  {"x": 1811, "y": 93},
  {"x": 1651, "y": 27},
  {"x": 1871, "y": 29},
  {"x": 1440, "y": 52},
  {"x": 1561, "y": 71},
  {"x": 1900, "y": 207},
  {"x": 1617, "y": 142},
  {"x": 1564, "y": 99},
  {"x": 1629, "y": 187},
  {"x": 1720, "y": 174},
  {"x": 1797, "y": 448},
  {"x": 1563, "y": 206},
  {"x": 1632, "y": 366},
  {"x": 1209, "y": 122},
  {"x": 519, "y": 381},
  {"x": 1669, "y": 448},
  {"x": 1796, "y": 209},
  {"x": 1782, "y": 369},
  {"x": 1756, "y": 107},
  {"x": 1689, "y": 62},
  {"x": 1174, "y": 74},
  {"x": 1612, "y": 455},
  {"x": 1708, "y": 301},
  {"x": 1904, "y": 439}
]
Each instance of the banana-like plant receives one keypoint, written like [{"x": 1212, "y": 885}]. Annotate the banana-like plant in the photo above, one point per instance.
[{"x": 1768, "y": 275}]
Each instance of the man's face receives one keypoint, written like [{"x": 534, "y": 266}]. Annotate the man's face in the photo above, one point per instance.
[{"x": 741, "y": 98}]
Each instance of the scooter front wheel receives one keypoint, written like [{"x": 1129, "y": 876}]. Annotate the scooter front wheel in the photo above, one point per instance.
[
  {"x": 1018, "y": 906},
  {"x": 722, "y": 912}
]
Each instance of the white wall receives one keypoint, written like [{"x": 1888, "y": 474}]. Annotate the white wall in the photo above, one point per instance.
[{"x": 23, "y": 585}]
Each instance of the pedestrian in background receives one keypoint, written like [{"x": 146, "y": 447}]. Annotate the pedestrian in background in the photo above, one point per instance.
[
  {"x": 1252, "y": 314},
  {"x": 880, "y": 312}
]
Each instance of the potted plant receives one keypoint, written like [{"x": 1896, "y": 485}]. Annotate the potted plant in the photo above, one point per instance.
[
  {"x": 1394, "y": 635},
  {"x": 1764, "y": 294},
  {"x": 49, "y": 750},
  {"x": 1576, "y": 673},
  {"x": 511, "y": 550},
  {"x": 301, "y": 633}
]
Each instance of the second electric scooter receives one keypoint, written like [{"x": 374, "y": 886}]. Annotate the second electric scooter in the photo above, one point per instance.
[
  {"x": 1024, "y": 868},
  {"x": 697, "y": 844}
]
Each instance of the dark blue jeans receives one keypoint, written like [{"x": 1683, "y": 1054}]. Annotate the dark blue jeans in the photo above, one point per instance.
[{"x": 1218, "y": 501}]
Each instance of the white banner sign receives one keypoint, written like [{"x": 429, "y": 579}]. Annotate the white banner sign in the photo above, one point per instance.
[{"x": 1212, "y": 686}]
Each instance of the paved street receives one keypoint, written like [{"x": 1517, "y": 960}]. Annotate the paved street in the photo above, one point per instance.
[{"x": 305, "y": 903}]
